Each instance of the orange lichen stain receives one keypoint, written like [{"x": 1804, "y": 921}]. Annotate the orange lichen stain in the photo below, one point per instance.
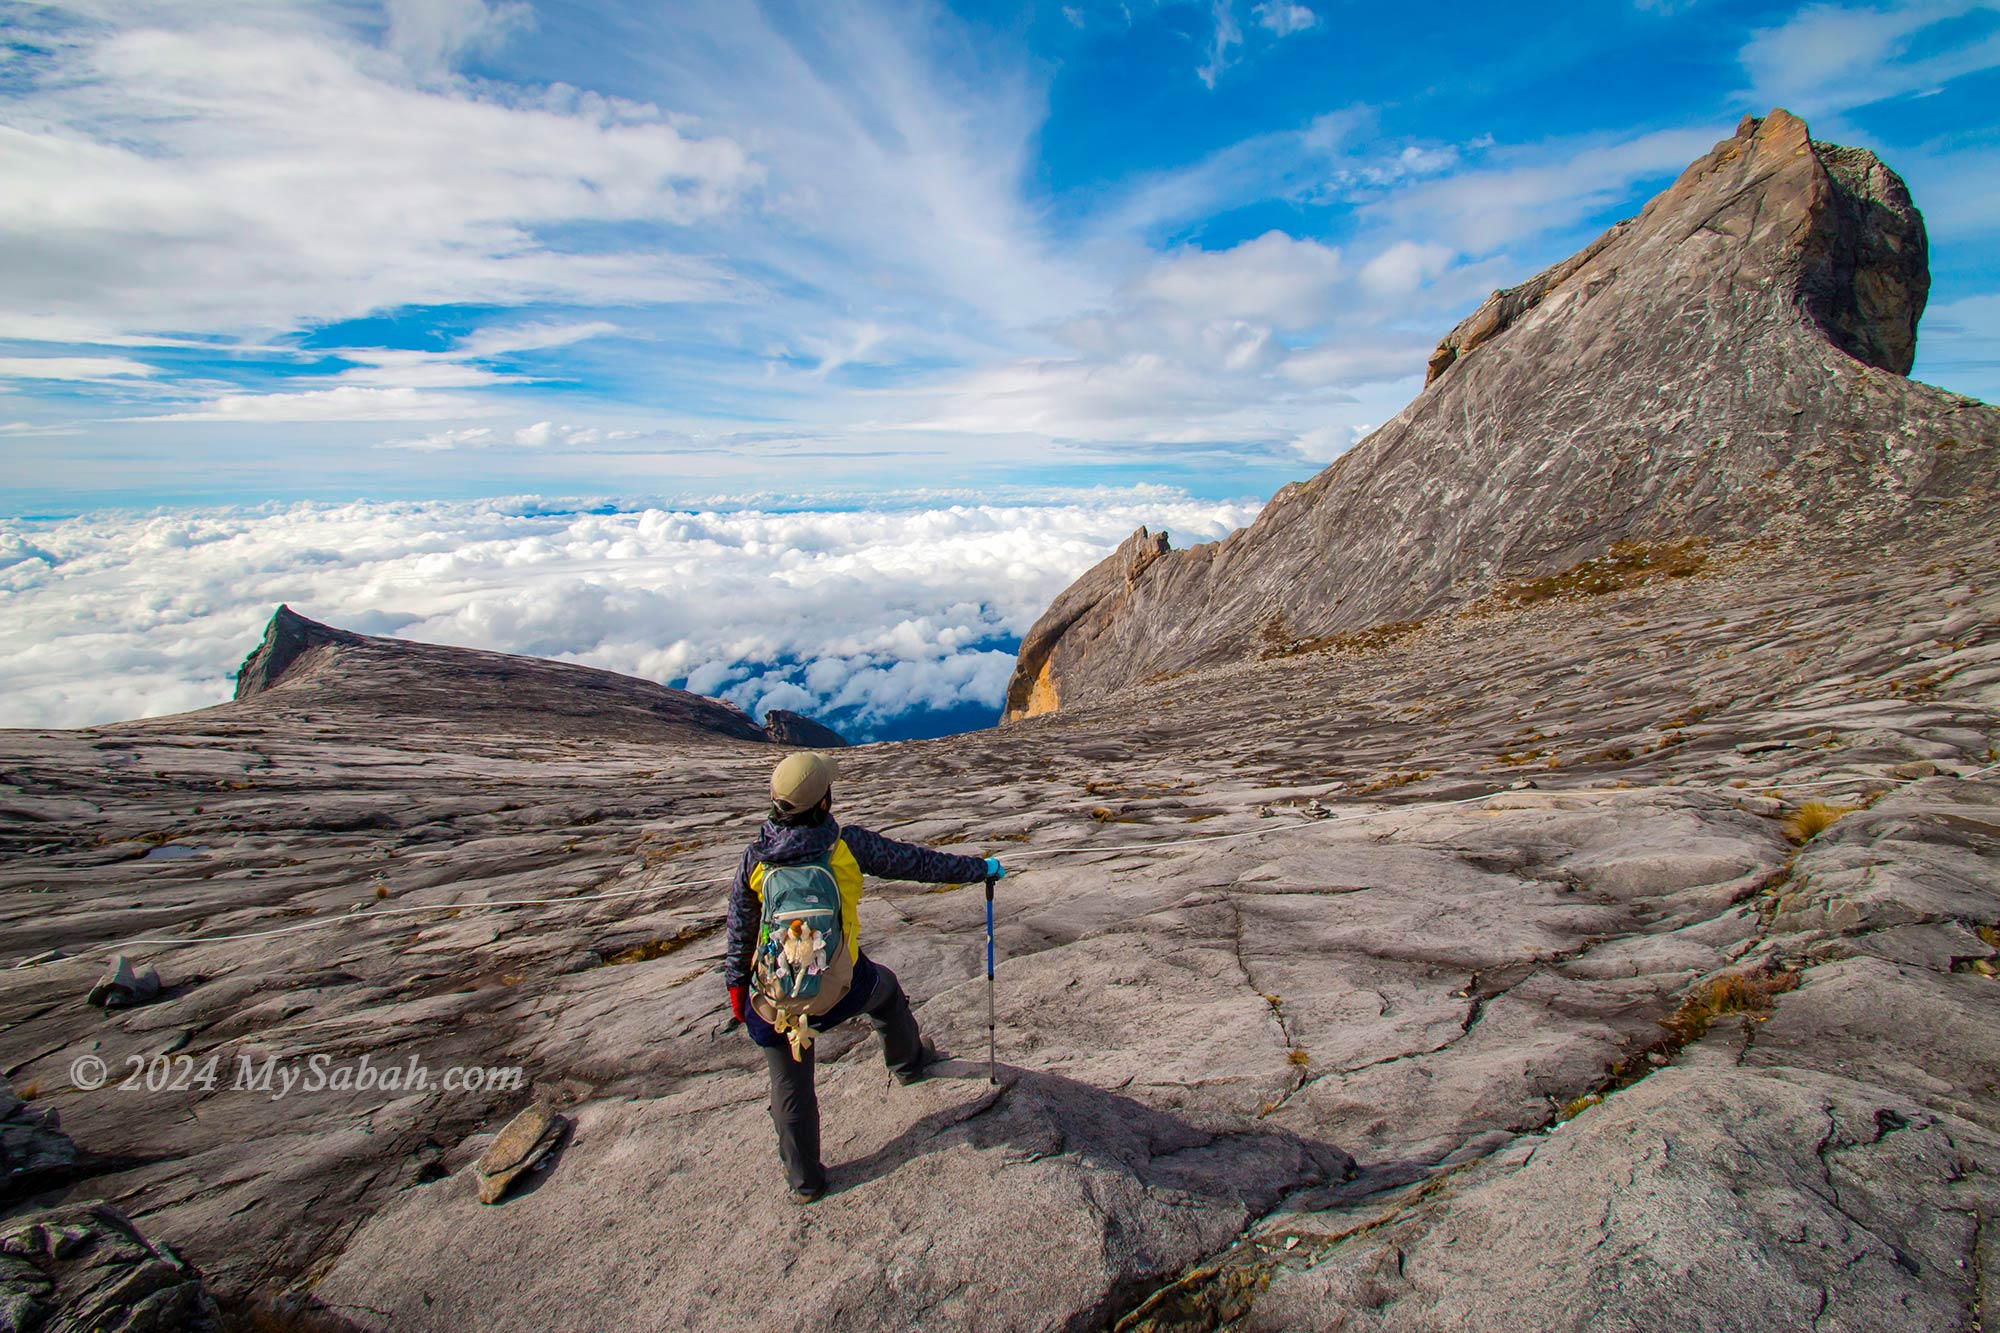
[{"x": 1042, "y": 696}]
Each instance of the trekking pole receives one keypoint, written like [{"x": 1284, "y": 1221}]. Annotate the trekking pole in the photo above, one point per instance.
[{"x": 991, "y": 1041}]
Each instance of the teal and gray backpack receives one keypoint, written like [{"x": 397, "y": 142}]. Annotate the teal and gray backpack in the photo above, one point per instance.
[{"x": 803, "y": 965}]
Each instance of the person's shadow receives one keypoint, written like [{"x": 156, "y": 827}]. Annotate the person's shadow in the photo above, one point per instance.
[{"x": 1039, "y": 1115}]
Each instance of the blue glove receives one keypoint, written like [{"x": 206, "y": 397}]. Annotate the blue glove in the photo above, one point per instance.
[{"x": 994, "y": 870}]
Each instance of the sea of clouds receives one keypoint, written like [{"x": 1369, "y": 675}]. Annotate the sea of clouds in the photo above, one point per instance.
[{"x": 892, "y": 619}]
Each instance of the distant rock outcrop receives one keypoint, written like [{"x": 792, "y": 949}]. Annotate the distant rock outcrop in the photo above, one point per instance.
[
  {"x": 1726, "y": 363},
  {"x": 289, "y": 637},
  {"x": 86, "y": 1269},
  {"x": 1072, "y": 621},
  {"x": 34, "y": 1151},
  {"x": 313, "y": 668},
  {"x": 788, "y": 728}
]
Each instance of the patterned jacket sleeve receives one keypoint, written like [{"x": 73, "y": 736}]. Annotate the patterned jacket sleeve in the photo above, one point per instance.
[
  {"x": 889, "y": 859},
  {"x": 744, "y": 919}
]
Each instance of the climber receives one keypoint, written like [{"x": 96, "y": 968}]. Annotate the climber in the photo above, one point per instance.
[{"x": 794, "y": 966}]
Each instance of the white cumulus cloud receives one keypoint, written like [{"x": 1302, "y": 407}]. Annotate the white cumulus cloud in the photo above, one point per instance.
[{"x": 858, "y": 615}]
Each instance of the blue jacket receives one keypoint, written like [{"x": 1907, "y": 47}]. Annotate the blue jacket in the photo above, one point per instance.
[{"x": 779, "y": 844}]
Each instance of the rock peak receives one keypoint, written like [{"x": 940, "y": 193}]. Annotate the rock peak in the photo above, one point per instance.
[
  {"x": 1710, "y": 369},
  {"x": 788, "y": 728},
  {"x": 287, "y": 637},
  {"x": 1862, "y": 264}
]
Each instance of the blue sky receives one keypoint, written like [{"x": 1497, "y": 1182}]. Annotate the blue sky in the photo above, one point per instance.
[{"x": 254, "y": 250}]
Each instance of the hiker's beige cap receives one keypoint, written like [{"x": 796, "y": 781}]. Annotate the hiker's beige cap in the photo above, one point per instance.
[{"x": 799, "y": 780}]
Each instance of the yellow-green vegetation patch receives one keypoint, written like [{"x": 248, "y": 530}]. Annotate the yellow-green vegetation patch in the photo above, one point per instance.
[
  {"x": 1576, "y": 1106},
  {"x": 659, "y": 948},
  {"x": 1625, "y": 565},
  {"x": 1391, "y": 781},
  {"x": 1279, "y": 641},
  {"x": 653, "y": 854},
  {"x": 1748, "y": 993}
]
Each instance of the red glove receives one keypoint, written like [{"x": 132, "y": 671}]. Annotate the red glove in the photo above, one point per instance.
[{"x": 738, "y": 996}]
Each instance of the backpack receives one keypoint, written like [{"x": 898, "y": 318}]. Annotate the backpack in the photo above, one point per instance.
[{"x": 803, "y": 965}]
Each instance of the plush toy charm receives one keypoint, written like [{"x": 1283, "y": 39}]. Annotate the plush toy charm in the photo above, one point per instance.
[{"x": 801, "y": 954}]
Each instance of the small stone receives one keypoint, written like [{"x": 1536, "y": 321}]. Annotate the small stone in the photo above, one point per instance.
[
  {"x": 519, "y": 1145},
  {"x": 1524, "y": 784},
  {"x": 122, "y": 986},
  {"x": 1916, "y": 768}
]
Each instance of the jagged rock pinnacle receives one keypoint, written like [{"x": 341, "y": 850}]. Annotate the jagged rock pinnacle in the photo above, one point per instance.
[{"x": 287, "y": 637}]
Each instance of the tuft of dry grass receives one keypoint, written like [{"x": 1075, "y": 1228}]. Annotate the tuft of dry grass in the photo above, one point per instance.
[
  {"x": 1392, "y": 781},
  {"x": 1814, "y": 818},
  {"x": 1985, "y": 967},
  {"x": 1299, "y": 1057},
  {"x": 1576, "y": 1106},
  {"x": 381, "y": 890},
  {"x": 659, "y": 948},
  {"x": 29, "y": 1091},
  {"x": 654, "y": 855},
  {"x": 1731, "y": 993}
]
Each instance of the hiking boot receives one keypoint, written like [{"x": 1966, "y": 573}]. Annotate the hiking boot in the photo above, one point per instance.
[
  {"x": 805, "y": 1194},
  {"x": 927, "y": 1055}
]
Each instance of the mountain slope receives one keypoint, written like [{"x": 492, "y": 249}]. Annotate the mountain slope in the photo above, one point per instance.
[
  {"x": 306, "y": 667},
  {"x": 1729, "y": 362}
]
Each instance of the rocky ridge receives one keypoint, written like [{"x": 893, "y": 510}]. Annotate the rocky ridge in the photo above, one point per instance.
[
  {"x": 308, "y": 667},
  {"x": 1726, "y": 364}
]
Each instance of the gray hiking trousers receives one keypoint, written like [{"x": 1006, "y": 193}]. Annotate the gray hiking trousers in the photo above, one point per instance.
[{"x": 794, "y": 1100}]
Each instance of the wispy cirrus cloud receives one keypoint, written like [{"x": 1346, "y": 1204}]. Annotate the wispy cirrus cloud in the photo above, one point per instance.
[
  {"x": 1830, "y": 58},
  {"x": 536, "y": 435},
  {"x": 83, "y": 369},
  {"x": 239, "y": 177},
  {"x": 346, "y": 403},
  {"x": 1284, "y": 17}
]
